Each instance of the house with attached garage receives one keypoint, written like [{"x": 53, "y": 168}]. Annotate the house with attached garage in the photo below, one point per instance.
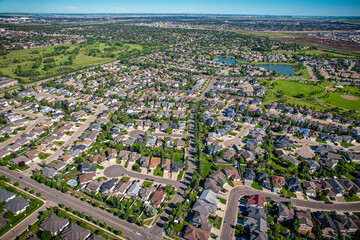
[
  {"x": 54, "y": 224},
  {"x": 17, "y": 205}
]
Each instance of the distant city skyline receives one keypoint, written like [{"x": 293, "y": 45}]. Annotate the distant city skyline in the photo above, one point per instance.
[{"x": 254, "y": 7}]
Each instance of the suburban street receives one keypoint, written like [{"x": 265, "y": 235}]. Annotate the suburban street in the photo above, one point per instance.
[
  {"x": 228, "y": 228},
  {"x": 54, "y": 197},
  {"x": 39, "y": 118}
]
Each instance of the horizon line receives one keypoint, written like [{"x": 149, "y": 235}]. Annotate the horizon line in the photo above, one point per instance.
[{"x": 223, "y": 14}]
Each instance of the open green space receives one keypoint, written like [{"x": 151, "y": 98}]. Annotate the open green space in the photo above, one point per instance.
[
  {"x": 296, "y": 89},
  {"x": 44, "y": 62},
  {"x": 335, "y": 99}
]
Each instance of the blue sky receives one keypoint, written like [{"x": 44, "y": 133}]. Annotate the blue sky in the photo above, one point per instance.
[{"x": 257, "y": 7}]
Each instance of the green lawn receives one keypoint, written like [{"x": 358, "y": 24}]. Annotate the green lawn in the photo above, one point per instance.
[
  {"x": 269, "y": 96},
  {"x": 178, "y": 157},
  {"x": 335, "y": 99},
  {"x": 303, "y": 73},
  {"x": 349, "y": 176},
  {"x": 352, "y": 199},
  {"x": 180, "y": 175},
  {"x": 146, "y": 184},
  {"x": 216, "y": 221},
  {"x": 223, "y": 201},
  {"x": 231, "y": 184},
  {"x": 287, "y": 193},
  {"x": 26, "y": 58},
  {"x": 256, "y": 186},
  {"x": 158, "y": 171},
  {"x": 320, "y": 140},
  {"x": 344, "y": 144},
  {"x": 293, "y": 88}
]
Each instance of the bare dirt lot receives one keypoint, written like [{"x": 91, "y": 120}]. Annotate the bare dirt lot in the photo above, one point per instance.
[
  {"x": 331, "y": 89},
  {"x": 348, "y": 97}
]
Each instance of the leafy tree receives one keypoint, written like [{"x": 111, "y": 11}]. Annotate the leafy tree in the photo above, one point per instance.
[{"x": 46, "y": 235}]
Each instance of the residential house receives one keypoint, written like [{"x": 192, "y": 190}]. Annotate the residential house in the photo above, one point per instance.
[
  {"x": 278, "y": 182},
  {"x": 166, "y": 165},
  {"x": 154, "y": 162},
  {"x": 264, "y": 180},
  {"x": 232, "y": 173},
  {"x": 309, "y": 188},
  {"x": 336, "y": 187},
  {"x": 107, "y": 187},
  {"x": 111, "y": 155},
  {"x": 74, "y": 232},
  {"x": 284, "y": 213},
  {"x": 256, "y": 200},
  {"x": 54, "y": 224},
  {"x": 134, "y": 189},
  {"x": 122, "y": 187},
  {"x": 326, "y": 223},
  {"x": 249, "y": 175},
  {"x": 305, "y": 220},
  {"x": 5, "y": 195},
  {"x": 158, "y": 197},
  {"x": 145, "y": 192},
  {"x": 194, "y": 233},
  {"x": 17, "y": 205},
  {"x": 294, "y": 184},
  {"x": 219, "y": 177}
]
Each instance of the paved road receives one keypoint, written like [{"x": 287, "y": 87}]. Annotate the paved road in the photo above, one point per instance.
[
  {"x": 19, "y": 135},
  {"x": 310, "y": 70},
  {"x": 114, "y": 171},
  {"x": 76, "y": 134},
  {"x": 236, "y": 193},
  {"x": 24, "y": 225},
  {"x": 54, "y": 197},
  {"x": 141, "y": 134}
]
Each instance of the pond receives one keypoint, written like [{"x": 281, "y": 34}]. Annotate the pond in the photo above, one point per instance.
[
  {"x": 228, "y": 60},
  {"x": 284, "y": 69}
]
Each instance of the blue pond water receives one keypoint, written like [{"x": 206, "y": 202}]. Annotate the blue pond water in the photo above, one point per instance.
[
  {"x": 285, "y": 69},
  {"x": 279, "y": 68}
]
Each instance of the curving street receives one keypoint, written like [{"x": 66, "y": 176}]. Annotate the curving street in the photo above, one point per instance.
[{"x": 229, "y": 223}]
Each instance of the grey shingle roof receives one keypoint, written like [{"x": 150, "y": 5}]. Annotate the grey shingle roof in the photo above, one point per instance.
[
  {"x": 17, "y": 204},
  {"x": 54, "y": 224},
  {"x": 5, "y": 195}
]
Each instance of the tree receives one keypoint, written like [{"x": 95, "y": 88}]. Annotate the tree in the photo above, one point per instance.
[
  {"x": 46, "y": 235},
  {"x": 318, "y": 233},
  {"x": 150, "y": 211}
]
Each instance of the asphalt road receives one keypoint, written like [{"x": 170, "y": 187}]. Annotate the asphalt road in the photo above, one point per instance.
[
  {"x": 236, "y": 193},
  {"x": 141, "y": 134},
  {"x": 118, "y": 170},
  {"x": 39, "y": 119},
  {"x": 55, "y": 197}
]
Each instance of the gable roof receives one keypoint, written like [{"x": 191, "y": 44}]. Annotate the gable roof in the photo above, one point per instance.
[
  {"x": 54, "y": 224},
  {"x": 194, "y": 233},
  {"x": 256, "y": 200},
  {"x": 17, "y": 204},
  {"x": 6, "y": 195},
  {"x": 209, "y": 196},
  {"x": 74, "y": 232}
]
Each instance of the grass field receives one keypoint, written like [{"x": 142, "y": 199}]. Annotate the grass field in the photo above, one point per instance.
[
  {"x": 335, "y": 99},
  {"x": 303, "y": 73},
  {"x": 25, "y": 58},
  {"x": 294, "y": 88},
  {"x": 270, "y": 96}
]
